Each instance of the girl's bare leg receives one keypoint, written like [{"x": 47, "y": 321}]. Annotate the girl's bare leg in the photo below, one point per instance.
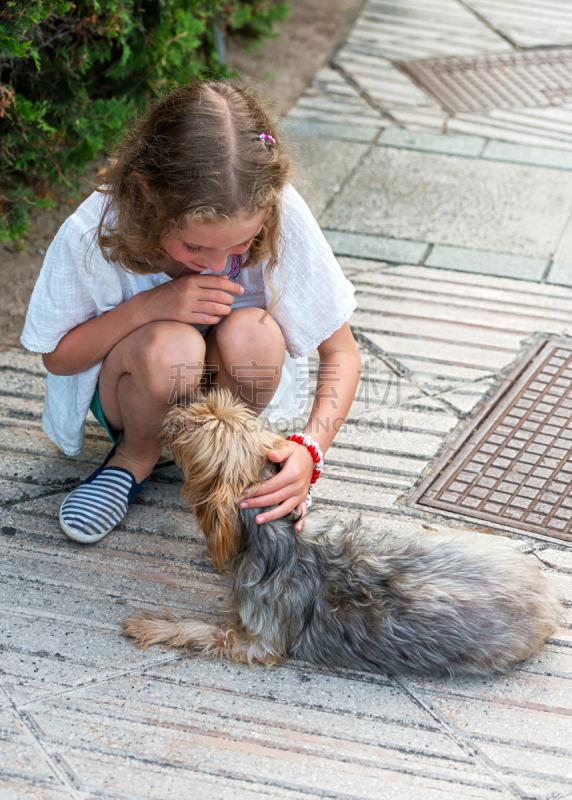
[
  {"x": 161, "y": 362},
  {"x": 140, "y": 378},
  {"x": 246, "y": 356}
]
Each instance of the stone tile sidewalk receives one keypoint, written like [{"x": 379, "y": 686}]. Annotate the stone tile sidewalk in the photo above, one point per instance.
[{"x": 456, "y": 232}]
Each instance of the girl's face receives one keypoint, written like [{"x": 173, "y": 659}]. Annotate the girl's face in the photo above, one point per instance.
[{"x": 207, "y": 245}]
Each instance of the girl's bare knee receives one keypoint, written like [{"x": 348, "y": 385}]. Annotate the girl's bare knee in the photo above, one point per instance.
[
  {"x": 165, "y": 359},
  {"x": 246, "y": 336},
  {"x": 171, "y": 359},
  {"x": 250, "y": 354}
]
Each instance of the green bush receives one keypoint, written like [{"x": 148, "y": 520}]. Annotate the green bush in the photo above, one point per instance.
[{"x": 72, "y": 73}]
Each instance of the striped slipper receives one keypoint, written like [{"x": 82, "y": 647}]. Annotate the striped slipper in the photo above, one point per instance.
[{"x": 98, "y": 504}]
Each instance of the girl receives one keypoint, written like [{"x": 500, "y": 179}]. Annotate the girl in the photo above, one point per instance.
[{"x": 195, "y": 263}]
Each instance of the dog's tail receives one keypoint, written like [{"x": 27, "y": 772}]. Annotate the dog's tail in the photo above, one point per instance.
[{"x": 195, "y": 635}]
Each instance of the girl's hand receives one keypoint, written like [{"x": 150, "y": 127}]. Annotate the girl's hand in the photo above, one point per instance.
[
  {"x": 289, "y": 487},
  {"x": 193, "y": 299}
]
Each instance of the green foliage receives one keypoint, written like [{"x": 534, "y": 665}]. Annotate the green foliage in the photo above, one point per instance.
[{"x": 72, "y": 74}]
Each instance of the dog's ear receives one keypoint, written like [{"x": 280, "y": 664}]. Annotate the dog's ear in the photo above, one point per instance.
[
  {"x": 221, "y": 447},
  {"x": 220, "y": 523},
  {"x": 224, "y": 537}
]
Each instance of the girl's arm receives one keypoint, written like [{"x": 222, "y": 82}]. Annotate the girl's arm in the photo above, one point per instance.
[
  {"x": 338, "y": 378},
  {"x": 198, "y": 299},
  {"x": 89, "y": 342}
]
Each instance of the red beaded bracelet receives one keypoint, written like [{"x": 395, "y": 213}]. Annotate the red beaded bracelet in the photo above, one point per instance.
[{"x": 314, "y": 450}]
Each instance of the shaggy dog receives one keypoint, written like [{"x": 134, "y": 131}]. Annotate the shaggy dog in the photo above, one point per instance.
[{"x": 331, "y": 594}]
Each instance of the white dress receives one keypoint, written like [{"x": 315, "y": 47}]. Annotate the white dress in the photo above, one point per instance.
[{"x": 76, "y": 283}]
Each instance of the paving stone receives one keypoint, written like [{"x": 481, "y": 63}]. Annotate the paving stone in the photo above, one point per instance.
[
  {"x": 518, "y": 724},
  {"x": 425, "y": 402},
  {"x": 347, "y": 473},
  {"x": 305, "y": 129},
  {"x": 224, "y": 689},
  {"x": 467, "y": 396},
  {"x": 560, "y": 560},
  {"x": 441, "y": 376},
  {"x": 18, "y": 756},
  {"x": 23, "y": 382},
  {"x": 423, "y": 445},
  {"x": 529, "y": 127},
  {"x": 538, "y": 156},
  {"x": 415, "y": 322},
  {"x": 88, "y": 588},
  {"x": 21, "y": 410},
  {"x": 12, "y": 491},
  {"x": 533, "y": 298},
  {"x": 468, "y": 146},
  {"x": 22, "y": 360},
  {"x": 551, "y": 770},
  {"x": 16, "y": 788},
  {"x": 486, "y": 262},
  {"x": 33, "y": 443},
  {"x": 353, "y": 266},
  {"x": 330, "y": 99},
  {"x": 560, "y": 273},
  {"x": 39, "y": 470},
  {"x": 381, "y": 462},
  {"x": 46, "y": 674},
  {"x": 381, "y": 81},
  {"x": 315, "y": 184},
  {"x": 519, "y": 710},
  {"x": 420, "y": 29},
  {"x": 190, "y": 746},
  {"x": 407, "y": 420},
  {"x": 539, "y": 787},
  {"x": 482, "y": 298},
  {"x": 395, "y": 31},
  {"x": 563, "y": 582},
  {"x": 449, "y": 353},
  {"x": 373, "y": 497},
  {"x": 561, "y": 270},
  {"x": 324, "y": 700},
  {"x": 376, "y": 247},
  {"x": 527, "y": 23},
  {"x": 380, "y": 394},
  {"x": 511, "y": 208},
  {"x": 122, "y": 776},
  {"x": 421, "y": 118},
  {"x": 393, "y": 344}
]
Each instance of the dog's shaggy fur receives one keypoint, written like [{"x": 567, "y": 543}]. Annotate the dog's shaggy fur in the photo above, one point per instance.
[{"x": 435, "y": 603}]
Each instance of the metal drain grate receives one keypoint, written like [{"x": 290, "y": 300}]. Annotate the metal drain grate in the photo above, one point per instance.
[
  {"x": 512, "y": 468},
  {"x": 509, "y": 80}
]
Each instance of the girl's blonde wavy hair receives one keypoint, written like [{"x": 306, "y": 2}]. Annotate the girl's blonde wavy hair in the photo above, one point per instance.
[{"x": 199, "y": 153}]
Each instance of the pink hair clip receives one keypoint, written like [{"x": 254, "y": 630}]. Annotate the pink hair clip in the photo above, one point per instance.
[{"x": 265, "y": 137}]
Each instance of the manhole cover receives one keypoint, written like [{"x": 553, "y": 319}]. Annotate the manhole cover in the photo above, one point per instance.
[
  {"x": 506, "y": 80},
  {"x": 512, "y": 467}
]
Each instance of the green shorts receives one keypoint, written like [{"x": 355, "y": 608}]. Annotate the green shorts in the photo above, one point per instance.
[{"x": 97, "y": 411}]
